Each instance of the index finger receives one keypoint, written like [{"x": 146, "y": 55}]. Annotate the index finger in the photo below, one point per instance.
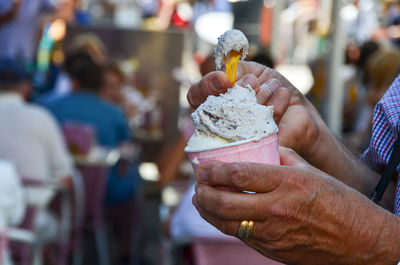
[{"x": 263, "y": 73}]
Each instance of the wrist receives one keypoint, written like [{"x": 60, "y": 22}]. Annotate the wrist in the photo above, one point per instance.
[
  {"x": 328, "y": 154},
  {"x": 323, "y": 148}
]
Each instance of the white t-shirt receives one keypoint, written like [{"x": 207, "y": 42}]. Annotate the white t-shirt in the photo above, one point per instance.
[
  {"x": 31, "y": 140},
  {"x": 18, "y": 37},
  {"x": 12, "y": 202}
]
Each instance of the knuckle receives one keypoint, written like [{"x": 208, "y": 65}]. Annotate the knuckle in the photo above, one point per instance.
[
  {"x": 225, "y": 207},
  {"x": 189, "y": 97},
  {"x": 203, "y": 87},
  {"x": 213, "y": 175},
  {"x": 277, "y": 210},
  {"x": 240, "y": 175}
]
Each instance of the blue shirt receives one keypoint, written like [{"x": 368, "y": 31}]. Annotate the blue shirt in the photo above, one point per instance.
[
  {"x": 111, "y": 128},
  {"x": 87, "y": 108}
]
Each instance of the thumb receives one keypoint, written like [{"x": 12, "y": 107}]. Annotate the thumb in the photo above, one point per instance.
[{"x": 290, "y": 158}]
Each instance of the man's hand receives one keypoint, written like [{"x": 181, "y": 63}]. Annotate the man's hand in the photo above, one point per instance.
[
  {"x": 300, "y": 126},
  {"x": 301, "y": 215}
]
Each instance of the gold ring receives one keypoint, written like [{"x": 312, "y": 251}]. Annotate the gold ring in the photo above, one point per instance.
[
  {"x": 245, "y": 229},
  {"x": 242, "y": 228},
  {"x": 249, "y": 230}
]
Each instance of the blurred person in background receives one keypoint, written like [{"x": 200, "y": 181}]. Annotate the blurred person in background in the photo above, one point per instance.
[
  {"x": 20, "y": 23},
  {"x": 381, "y": 69},
  {"x": 393, "y": 13},
  {"x": 393, "y": 22},
  {"x": 32, "y": 141},
  {"x": 204, "y": 6},
  {"x": 85, "y": 106},
  {"x": 29, "y": 137},
  {"x": 87, "y": 45},
  {"x": 92, "y": 45},
  {"x": 366, "y": 50},
  {"x": 361, "y": 20},
  {"x": 112, "y": 89},
  {"x": 263, "y": 58},
  {"x": 357, "y": 112}
]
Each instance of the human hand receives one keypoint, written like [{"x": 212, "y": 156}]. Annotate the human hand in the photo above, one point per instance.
[
  {"x": 301, "y": 215},
  {"x": 300, "y": 126}
]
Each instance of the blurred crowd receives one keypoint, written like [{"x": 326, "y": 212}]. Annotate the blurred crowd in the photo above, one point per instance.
[{"x": 72, "y": 120}]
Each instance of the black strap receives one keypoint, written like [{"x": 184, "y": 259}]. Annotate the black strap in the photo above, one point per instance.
[{"x": 387, "y": 174}]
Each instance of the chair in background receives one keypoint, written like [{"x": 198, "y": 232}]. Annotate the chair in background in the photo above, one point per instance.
[
  {"x": 25, "y": 242},
  {"x": 93, "y": 164},
  {"x": 94, "y": 182},
  {"x": 79, "y": 138}
]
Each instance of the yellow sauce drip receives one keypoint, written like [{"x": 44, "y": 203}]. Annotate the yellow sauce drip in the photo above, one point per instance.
[{"x": 231, "y": 62}]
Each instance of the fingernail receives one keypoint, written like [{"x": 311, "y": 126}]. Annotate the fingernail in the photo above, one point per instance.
[
  {"x": 217, "y": 84},
  {"x": 202, "y": 175},
  {"x": 271, "y": 85}
]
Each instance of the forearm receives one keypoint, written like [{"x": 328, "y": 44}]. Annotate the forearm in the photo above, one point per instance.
[
  {"x": 350, "y": 229},
  {"x": 332, "y": 157},
  {"x": 378, "y": 234}
]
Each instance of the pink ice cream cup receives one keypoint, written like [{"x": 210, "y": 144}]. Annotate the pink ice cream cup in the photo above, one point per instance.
[{"x": 264, "y": 151}]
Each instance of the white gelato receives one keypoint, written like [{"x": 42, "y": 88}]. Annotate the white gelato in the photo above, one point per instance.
[
  {"x": 231, "y": 117},
  {"x": 232, "y": 40}
]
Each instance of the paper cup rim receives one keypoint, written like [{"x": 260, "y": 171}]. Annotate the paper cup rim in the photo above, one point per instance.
[{"x": 189, "y": 151}]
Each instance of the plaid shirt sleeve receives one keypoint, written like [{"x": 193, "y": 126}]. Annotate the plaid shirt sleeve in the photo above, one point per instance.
[{"x": 384, "y": 133}]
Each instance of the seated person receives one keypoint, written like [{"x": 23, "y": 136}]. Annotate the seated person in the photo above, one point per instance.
[
  {"x": 32, "y": 141},
  {"x": 112, "y": 89},
  {"x": 29, "y": 136},
  {"x": 85, "y": 106}
]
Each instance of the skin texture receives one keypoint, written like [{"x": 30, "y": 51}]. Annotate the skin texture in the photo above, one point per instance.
[
  {"x": 301, "y": 215},
  {"x": 300, "y": 126},
  {"x": 310, "y": 212}
]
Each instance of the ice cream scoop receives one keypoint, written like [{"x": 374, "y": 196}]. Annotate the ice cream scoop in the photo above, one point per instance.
[
  {"x": 231, "y": 117},
  {"x": 232, "y": 46},
  {"x": 233, "y": 127}
]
